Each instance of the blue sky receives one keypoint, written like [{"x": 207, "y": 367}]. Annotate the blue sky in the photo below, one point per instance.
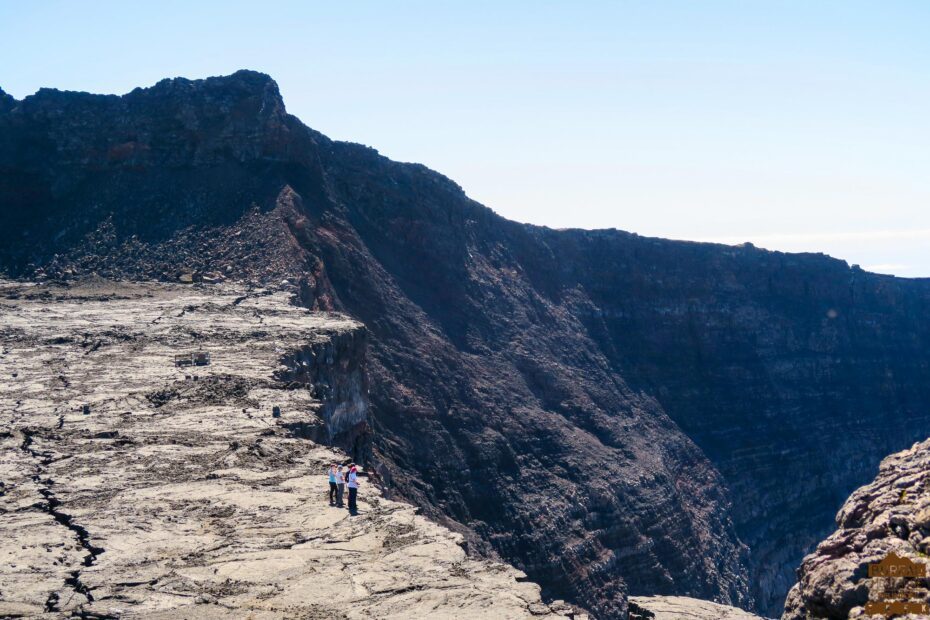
[{"x": 800, "y": 126}]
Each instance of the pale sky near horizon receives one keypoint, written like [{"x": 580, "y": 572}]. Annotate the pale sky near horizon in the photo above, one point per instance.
[{"x": 798, "y": 126}]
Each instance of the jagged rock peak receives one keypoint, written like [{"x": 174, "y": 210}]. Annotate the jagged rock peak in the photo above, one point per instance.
[
  {"x": 242, "y": 84},
  {"x": 175, "y": 122},
  {"x": 244, "y": 102}
]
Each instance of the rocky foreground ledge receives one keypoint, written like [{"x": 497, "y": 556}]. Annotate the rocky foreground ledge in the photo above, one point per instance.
[
  {"x": 176, "y": 493},
  {"x": 890, "y": 515},
  {"x": 684, "y": 608}
]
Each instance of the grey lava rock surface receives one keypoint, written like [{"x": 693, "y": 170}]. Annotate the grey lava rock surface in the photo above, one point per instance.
[
  {"x": 178, "y": 494},
  {"x": 612, "y": 414},
  {"x": 683, "y": 608}
]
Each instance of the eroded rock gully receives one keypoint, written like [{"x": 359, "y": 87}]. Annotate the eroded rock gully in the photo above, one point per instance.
[{"x": 178, "y": 494}]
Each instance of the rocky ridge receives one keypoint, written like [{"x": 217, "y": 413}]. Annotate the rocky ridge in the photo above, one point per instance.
[
  {"x": 889, "y": 515},
  {"x": 178, "y": 493}
]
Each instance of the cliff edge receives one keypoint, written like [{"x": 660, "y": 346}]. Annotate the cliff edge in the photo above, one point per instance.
[{"x": 135, "y": 484}]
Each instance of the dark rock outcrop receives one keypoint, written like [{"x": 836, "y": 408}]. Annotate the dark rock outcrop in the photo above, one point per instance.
[
  {"x": 334, "y": 372},
  {"x": 889, "y": 515},
  {"x": 610, "y": 413}
]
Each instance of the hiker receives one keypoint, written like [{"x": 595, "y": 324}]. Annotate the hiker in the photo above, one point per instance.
[
  {"x": 340, "y": 484},
  {"x": 353, "y": 488},
  {"x": 332, "y": 484}
]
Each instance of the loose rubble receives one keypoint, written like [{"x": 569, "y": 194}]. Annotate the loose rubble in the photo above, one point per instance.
[{"x": 177, "y": 493}]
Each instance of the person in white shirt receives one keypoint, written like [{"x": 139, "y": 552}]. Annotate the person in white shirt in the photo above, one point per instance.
[
  {"x": 353, "y": 488},
  {"x": 340, "y": 484}
]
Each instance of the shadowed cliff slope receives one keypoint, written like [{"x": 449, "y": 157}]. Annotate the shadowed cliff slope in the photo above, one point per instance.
[{"x": 613, "y": 414}]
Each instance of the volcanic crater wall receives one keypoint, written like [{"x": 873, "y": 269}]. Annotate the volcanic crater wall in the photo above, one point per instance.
[{"x": 613, "y": 414}]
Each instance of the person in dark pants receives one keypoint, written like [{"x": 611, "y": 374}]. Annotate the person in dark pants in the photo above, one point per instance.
[
  {"x": 353, "y": 488},
  {"x": 340, "y": 484},
  {"x": 332, "y": 485}
]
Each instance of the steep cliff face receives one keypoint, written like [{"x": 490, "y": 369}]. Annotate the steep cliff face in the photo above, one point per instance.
[
  {"x": 334, "y": 372},
  {"x": 889, "y": 515},
  {"x": 612, "y": 414},
  {"x": 794, "y": 373}
]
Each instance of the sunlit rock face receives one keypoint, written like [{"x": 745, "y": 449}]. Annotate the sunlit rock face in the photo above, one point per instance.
[
  {"x": 885, "y": 523},
  {"x": 611, "y": 413}
]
